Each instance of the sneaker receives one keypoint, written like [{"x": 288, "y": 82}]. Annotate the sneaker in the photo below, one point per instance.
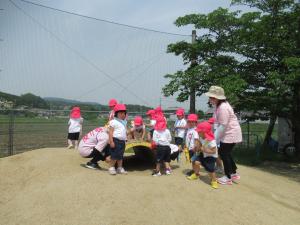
[
  {"x": 214, "y": 184},
  {"x": 193, "y": 177},
  {"x": 112, "y": 171},
  {"x": 121, "y": 170},
  {"x": 235, "y": 176},
  {"x": 93, "y": 166},
  {"x": 168, "y": 172},
  {"x": 224, "y": 180},
  {"x": 156, "y": 174},
  {"x": 70, "y": 146},
  {"x": 189, "y": 173}
]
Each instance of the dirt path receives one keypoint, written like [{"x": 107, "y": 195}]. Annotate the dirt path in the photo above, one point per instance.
[{"x": 49, "y": 186}]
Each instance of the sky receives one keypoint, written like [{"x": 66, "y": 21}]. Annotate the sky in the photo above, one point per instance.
[{"x": 54, "y": 54}]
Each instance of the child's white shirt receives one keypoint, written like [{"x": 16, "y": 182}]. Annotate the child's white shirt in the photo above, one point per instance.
[
  {"x": 75, "y": 125},
  {"x": 180, "y": 132},
  {"x": 209, "y": 144},
  {"x": 120, "y": 131},
  {"x": 162, "y": 137},
  {"x": 190, "y": 138},
  {"x": 97, "y": 138},
  {"x": 174, "y": 148}
]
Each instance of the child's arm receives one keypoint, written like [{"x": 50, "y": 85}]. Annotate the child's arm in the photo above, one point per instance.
[
  {"x": 111, "y": 140},
  {"x": 144, "y": 132},
  {"x": 198, "y": 145}
]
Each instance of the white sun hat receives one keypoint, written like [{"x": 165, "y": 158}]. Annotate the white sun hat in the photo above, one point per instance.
[{"x": 216, "y": 92}]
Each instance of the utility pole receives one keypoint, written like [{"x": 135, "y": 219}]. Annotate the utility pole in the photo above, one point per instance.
[{"x": 192, "y": 89}]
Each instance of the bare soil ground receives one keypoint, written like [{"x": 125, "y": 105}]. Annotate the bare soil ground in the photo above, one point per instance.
[{"x": 50, "y": 186}]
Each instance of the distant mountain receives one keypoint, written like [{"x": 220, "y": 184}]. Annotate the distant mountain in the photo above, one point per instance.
[{"x": 69, "y": 101}]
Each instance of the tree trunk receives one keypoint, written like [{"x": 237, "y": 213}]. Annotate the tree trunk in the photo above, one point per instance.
[
  {"x": 193, "y": 101},
  {"x": 269, "y": 131}
]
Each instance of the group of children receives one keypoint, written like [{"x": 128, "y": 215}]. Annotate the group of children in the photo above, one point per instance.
[{"x": 108, "y": 143}]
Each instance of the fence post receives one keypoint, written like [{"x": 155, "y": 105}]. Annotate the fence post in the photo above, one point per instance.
[
  {"x": 11, "y": 132},
  {"x": 248, "y": 131}
]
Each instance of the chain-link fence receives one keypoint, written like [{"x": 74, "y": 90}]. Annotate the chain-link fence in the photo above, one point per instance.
[{"x": 23, "y": 130}]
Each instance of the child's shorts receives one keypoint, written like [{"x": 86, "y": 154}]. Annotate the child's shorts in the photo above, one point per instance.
[
  {"x": 117, "y": 152},
  {"x": 209, "y": 163},
  {"x": 73, "y": 136},
  {"x": 196, "y": 157},
  {"x": 178, "y": 141},
  {"x": 163, "y": 153},
  {"x": 174, "y": 155}
]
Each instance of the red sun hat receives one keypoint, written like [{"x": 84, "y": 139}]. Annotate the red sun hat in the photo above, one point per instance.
[
  {"x": 112, "y": 102},
  {"x": 211, "y": 120},
  {"x": 180, "y": 112},
  {"x": 192, "y": 118},
  {"x": 150, "y": 112},
  {"x": 205, "y": 127},
  {"x": 138, "y": 121},
  {"x": 75, "y": 113},
  {"x": 160, "y": 124},
  {"x": 119, "y": 107}
]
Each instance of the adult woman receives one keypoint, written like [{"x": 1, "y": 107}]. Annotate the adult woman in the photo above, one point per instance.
[{"x": 228, "y": 132}]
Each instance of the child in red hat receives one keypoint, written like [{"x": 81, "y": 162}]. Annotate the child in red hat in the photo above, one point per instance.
[
  {"x": 75, "y": 127},
  {"x": 209, "y": 154},
  {"x": 138, "y": 129},
  {"x": 117, "y": 139},
  {"x": 162, "y": 140},
  {"x": 150, "y": 126},
  {"x": 180, "y": 128}
]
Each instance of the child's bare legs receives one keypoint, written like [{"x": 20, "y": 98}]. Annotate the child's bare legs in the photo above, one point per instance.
[
  {"x": 212, "y": 176},
  {"x": 157, "y": 167},
  {"x": 76, "y": 144},
  {"x": 219, "y": 167},
  {"x": 70, "y": 144},
  {"x": 196, "y": 167},
  {"x": 120, "y": 163},
  {"x": 167, "y": 165}
]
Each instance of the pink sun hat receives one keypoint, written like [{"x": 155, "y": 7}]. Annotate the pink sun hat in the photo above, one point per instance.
[
  {"x": 180, "y": 112},
  {"x": 205, "y": 127},
  {"x": 138, "y": 121},
  {"x": 75, "y": 113},
  {"x": 161, "y": 124},
  {"x": 192, "y": 118}
]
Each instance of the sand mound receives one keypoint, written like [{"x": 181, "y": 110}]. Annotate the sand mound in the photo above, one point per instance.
[{"x": 49, "y": 186}]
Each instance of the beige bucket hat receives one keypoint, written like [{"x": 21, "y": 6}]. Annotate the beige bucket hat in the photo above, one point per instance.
[{"x": 216, "y": 92}]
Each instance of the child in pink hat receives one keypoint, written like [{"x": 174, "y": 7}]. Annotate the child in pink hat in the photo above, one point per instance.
[
  {"x": 180, "y": 129},
  {"x": 75, "y": 127},
  {"x": 111, "y": 104},
  {"x": 138, "y": 129},
  {"x": 150, "y": 126},
  {"x": 209, "y": 153},
  {"x": 162, "y": 139}
]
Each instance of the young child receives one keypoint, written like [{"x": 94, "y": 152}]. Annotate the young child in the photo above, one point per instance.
[
  {"x": 75, "y": 127},
  {"x": 112, "y": 103},
  {"x": 162, "y": 138},
  {"x": 117, "y": 139},
  {"x": 150, "y": 125},
  {"x": 180, "y": 128},
  {"x": 95, "y": 145},
  {"x": 191, "y": 135},
  {"x": 209, "y": 153},
  {"x": 138, "y": 130}
]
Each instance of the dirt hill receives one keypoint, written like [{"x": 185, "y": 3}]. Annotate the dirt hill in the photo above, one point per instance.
[{"x": 49, "y": 186}]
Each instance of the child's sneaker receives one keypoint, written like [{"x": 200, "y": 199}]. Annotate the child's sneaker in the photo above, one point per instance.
[
  {"x": 214, "y": 184},
  {"x": 156, "y": 174},
  {"x": 224, "y": 180},
  {"x": 121, "y": 170},
  {"x": 235, "y": 176},
  {"x": 193, "y": 177},
  {"x": 93, "y": 166},
  {"x": 112, "y": 171},
  {"x": 168, "y": 172}
]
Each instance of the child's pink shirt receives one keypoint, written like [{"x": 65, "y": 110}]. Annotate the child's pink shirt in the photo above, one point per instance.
[
  {"x": 97, "y": 138},
  {"x": 225, "y": 116}
]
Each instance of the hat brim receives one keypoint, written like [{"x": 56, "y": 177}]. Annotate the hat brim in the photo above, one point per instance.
[{"x": 220, "y": 97}]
